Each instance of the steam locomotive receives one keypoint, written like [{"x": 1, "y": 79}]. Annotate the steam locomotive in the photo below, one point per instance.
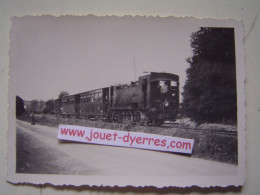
[{"x": 153, "y": 99}]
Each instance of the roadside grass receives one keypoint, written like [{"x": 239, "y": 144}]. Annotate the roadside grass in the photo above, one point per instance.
[{"x": 208, "y": 144}]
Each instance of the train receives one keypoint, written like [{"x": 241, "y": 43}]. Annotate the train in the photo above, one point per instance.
[{"x": 152, "y": 99}]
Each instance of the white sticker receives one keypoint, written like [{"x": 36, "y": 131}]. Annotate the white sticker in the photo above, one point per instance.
[{"x": 125, "y": 139}]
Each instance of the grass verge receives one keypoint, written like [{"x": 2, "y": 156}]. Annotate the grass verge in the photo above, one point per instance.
[{"x": 208, "y": 145}]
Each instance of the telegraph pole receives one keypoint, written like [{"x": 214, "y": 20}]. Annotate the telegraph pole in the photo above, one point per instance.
[{"x": 134, "y": 69}]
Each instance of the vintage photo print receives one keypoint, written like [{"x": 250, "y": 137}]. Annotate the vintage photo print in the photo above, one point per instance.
[{"x": 119, "y": 101}]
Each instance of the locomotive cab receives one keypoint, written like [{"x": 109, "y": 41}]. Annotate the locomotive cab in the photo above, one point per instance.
[{"x": 163, "y": 96}]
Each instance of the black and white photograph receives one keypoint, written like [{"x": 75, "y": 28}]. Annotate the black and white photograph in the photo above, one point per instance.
[{"x": 165, "y": 76}]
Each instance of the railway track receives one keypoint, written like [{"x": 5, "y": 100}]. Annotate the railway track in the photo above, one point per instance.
[
  {"x": 199, "y": 130},
  {"x": 170, "y": 125}
]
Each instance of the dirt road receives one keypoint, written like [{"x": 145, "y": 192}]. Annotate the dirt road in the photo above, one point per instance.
[{"x": 39, "y": 151}]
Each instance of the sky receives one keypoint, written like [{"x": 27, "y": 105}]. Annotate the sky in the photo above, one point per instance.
[{"x": 81, "y": 53}]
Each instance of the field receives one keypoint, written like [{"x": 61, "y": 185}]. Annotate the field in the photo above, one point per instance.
[{"x": 216, "y": 142}]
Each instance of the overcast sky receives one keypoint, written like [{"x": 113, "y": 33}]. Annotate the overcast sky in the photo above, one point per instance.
[{"x": 76, "y": 54}]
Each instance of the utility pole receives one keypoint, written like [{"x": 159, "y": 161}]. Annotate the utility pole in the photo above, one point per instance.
[{"x": 134, "y": 69}]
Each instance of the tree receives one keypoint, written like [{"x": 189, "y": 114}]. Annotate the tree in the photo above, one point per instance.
[
  {"x": 49, "y": 106},
  {"x": 63, "y": 93},
  {"x": 210, "y": 89},
  {"x": 34, "y": 106},
  {"x": 41, "y": 105},
  {"x": 214, "y": 44},
  {"x": 19, "y": 106}
]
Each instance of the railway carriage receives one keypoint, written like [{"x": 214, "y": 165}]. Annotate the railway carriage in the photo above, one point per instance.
[
  {"x": 93, "y": 104},
  {"x": 69, "y": 105},
  {"x": 57, "y": 106}
]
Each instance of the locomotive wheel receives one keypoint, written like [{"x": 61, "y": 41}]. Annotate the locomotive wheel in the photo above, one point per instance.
[
  {"x": 97, "y": 117},
  {"x": 158, "y": 122},
  {"x": 113, "y": 117},
  {"x": 119, "y": 117},
  {"x": 123, "y": 116},
  {"x": 137, "y": 116},
  {"x": 128, "y": 116}
]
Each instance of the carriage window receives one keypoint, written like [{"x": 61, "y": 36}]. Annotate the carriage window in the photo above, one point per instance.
[
  {"x": 100, "y": 95},
  {"x": 174, "y": 83},
  {"x": 92, "y": 98},
  {"x": 155, "y": 83},
  {"x": 164, "y": 86},
  {"x": 96, "y": 97}
]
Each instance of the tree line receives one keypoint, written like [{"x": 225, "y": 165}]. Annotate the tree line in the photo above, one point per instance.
[
  {"x": 36, "y": 106},
  {"x": 209, "y": 93}
]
